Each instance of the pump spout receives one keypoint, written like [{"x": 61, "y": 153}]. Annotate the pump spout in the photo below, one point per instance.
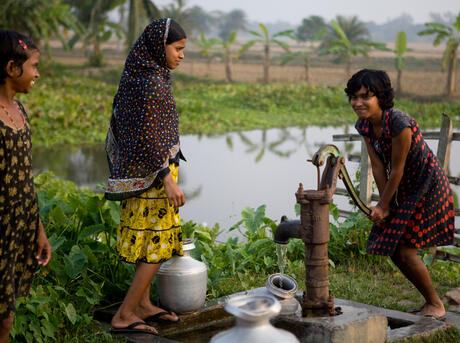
[{"x": 287, "y": 229}]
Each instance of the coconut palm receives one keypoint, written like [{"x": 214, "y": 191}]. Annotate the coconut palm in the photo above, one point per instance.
[
  {"x": 186, "y": 17},
  {"x": 310, "y": 27},
  {"x": 94, "y": 15},
  {"x": 39, "y": 19},
  {"x": 451, "y": 33},
  {"x": 348, "y": 38},
  {"x": 233, "y": 21},
  {"x": 267, "y": 40}
]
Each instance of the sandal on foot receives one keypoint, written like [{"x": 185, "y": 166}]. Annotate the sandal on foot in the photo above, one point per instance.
[
  {"x": 416, "y": 310},
  {"x": 132, "y": 329},
  {"x": 435, "y": 316},
  {"x": 156, "y": 318}
]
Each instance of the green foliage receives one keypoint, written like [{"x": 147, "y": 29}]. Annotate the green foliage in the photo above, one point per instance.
[
  {"x": 400, "y": 49},
  {"x": 39, "y": 19},
  {"x": 84, "y": 269},
  {"x": 450, "y": 33},
  {"x": 349, "y": 237}
]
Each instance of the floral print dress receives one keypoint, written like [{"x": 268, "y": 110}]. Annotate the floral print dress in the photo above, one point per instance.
[
  {"x": 18, "y": 215},
  {"x": 422, "y": 210}
]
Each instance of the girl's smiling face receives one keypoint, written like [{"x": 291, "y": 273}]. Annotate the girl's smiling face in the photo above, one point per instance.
[
  {"x": 175, "y": 53},
  {"x": 366, "y": 104},
  {"x": 25, "y": 80}
]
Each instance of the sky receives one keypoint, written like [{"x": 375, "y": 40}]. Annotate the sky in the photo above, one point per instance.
[{"x": 293, "y": 11}]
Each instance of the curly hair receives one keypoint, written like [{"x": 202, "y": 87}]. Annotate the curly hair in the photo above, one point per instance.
[
  {"x": 377, "y": 82},
  {"x": 13, "y": 46}
]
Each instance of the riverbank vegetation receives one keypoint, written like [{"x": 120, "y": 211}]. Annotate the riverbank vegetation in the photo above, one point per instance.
[
  {"x": 72, "y": 105},
  {"x": 85, "y": 272}
]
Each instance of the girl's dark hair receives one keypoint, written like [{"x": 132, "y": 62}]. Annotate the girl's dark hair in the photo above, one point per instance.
[
  {"x": 377, "y": 82},
  {"x": 13, "y": 46},
  {"x": 175, "y": 33}
]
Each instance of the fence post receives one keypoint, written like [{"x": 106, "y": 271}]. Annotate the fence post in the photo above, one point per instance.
[
  {"x": 445, "y": 140},
  {"x": 365, "y": 178}
]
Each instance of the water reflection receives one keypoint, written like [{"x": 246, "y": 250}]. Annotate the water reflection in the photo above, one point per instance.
[{"x": 226, "y": 173}]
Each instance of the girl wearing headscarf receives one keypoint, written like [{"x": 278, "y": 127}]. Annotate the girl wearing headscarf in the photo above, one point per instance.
[{"x": 143, "y": 152}]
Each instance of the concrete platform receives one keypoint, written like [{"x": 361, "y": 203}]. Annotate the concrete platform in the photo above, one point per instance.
[{"x": 358, "y": 323}]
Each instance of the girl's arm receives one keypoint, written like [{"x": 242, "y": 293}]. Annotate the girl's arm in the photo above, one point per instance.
[
  {"x": 378, "y": 169},
  {"x": 43, "y": 246},
  {"x": 175, "y": 195},
  {"x": 400, "y": 149}
]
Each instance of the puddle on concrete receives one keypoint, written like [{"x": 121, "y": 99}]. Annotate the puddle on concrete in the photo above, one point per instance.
[{"x": 202, "y": 333}]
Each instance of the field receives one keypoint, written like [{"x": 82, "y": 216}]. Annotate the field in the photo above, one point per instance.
[{"x": 422, "y": 75}]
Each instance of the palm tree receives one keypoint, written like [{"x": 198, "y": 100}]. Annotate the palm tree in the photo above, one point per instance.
[
  {"x": 310, "y": 27},
  {"x": 304, "y": 54},
  {"x": 267, "y": 40},
  {"x": 233, "y": 21},
  {"x": 452, "y": 35},
  {"x": 140, "y": 13},
  {"x": 348, "y": 38},
  {"x": 186, "y": 17},
  {"x": 228, "y": 55},
  {"x": 205, "y": 46},
  {"x": 39, "y": 19},
  {"x": 400, "y": 49},
  {"x": 94, "y": 15}
]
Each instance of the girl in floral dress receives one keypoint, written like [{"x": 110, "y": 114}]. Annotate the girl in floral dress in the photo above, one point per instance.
[
  {"x": 23, "y": 241},
  {"x": 143, "y": 152},
  {"x": 416, "y": 206}
]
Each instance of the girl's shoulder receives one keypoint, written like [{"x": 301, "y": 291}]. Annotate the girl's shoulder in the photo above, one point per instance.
[
  {"x": 362, "y": 126},
  {"x": 398, "y": 120}
]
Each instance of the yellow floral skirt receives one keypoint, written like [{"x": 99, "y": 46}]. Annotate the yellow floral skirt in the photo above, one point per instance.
[{"x": 149, "y": 229}]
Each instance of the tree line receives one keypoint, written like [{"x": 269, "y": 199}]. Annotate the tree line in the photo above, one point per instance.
[{"x": 92, "y": 22}]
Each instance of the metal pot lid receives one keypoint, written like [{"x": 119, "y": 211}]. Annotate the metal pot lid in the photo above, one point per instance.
[
  {"x": 188, "y": 244},
  {"x": 253, "y": 308}
]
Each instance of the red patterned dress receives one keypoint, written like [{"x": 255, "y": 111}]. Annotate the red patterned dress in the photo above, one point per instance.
[{"x": 422, "y": 210}]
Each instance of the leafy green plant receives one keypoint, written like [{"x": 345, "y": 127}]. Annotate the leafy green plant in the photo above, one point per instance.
[{"x": 84, "y": 269}]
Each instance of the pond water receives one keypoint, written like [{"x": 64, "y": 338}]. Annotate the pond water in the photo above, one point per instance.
[{"x": 223, "y": 174}]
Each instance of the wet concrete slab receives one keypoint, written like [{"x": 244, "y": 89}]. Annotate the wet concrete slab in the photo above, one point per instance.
[{"x": 358, "y": 323}]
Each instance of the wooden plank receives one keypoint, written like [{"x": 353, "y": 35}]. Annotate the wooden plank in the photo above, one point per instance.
[
  {"x": 365, "y": 177},
  {"x": 445, "y": 256},
  {"x": 457, "y": 240},
  {"x": 445, "y": 139},
  {"x": 432, "y": 135},
  {"x": 454, "y": 180}
]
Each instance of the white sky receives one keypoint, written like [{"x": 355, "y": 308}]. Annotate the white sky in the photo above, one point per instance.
[{"x": 294, "y": 11}]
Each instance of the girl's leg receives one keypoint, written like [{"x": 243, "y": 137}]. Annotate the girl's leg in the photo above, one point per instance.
[
  {"x": 141, "y": 281},
  {"x": 146, "y": 309},
  {"x": 406, "y": 259},
  {"x": 5, "y": 327}
]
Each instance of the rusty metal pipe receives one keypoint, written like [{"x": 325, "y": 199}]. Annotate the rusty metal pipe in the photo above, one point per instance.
[{"x": 286, "y": 230}]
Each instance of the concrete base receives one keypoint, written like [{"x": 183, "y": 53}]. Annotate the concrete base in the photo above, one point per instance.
[
  {"x": 353, "y": 325},
  {"x": 357, "y": 323}
]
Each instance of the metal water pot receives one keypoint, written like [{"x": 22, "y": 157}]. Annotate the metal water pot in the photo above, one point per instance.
[
  {"x": 252, "y": 314},
  {"x": 182, "y": 282}
]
